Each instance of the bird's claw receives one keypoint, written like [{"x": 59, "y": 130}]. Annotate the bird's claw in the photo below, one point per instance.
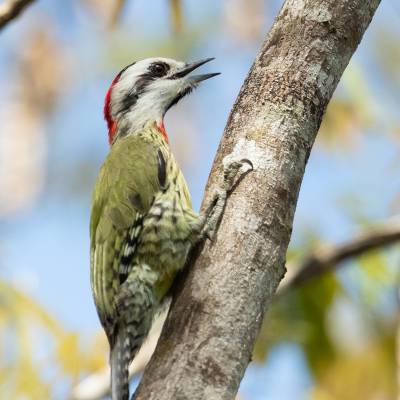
[
  {"x": 247, "y": 161},
  {"x": 215, "y": 209},
  {"x": 231, "y": 171}
]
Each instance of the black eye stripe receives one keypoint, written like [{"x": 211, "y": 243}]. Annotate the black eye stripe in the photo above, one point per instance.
[
  {"x": 156, "y": 70},
  {"x": 128, "y": 101},
  {"x": 179, "y": 97}
]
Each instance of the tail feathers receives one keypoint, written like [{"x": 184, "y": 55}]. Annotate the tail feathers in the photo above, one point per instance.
[{"x": 119, "y": 362}]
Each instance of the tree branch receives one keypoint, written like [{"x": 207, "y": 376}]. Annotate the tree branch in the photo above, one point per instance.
[
  {"x": 327, "y": 258},
  {"x": 11, "y": 9},
  {"x": 219, "y": 303}
]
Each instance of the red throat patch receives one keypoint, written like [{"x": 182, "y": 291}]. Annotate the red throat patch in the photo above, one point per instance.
[{"x": 162, "y": 130}]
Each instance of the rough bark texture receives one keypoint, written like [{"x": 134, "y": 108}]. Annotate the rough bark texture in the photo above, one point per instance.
[
  {"x": 207, "y": 340},
  {"x": 11, "y": 9}
]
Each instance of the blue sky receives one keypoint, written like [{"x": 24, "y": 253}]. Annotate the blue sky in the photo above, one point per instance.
[{"x": 46, "y": 249}]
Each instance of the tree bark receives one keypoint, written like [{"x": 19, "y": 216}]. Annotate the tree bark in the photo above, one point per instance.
[{"x": 219, "y": 303}]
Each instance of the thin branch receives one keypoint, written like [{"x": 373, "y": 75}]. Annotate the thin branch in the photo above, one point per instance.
[
  {"x": 11, "y": 9},
  {"x": 327, "y": 258}
]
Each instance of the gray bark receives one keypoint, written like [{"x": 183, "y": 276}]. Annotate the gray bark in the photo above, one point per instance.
[{"x": 219, "y": 303}]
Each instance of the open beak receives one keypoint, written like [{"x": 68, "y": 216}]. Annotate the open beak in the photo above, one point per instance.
[{"x": 191, "y": 67}]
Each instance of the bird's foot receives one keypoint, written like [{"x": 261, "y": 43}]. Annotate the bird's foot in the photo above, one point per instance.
[{"x": 213, "y": 214}]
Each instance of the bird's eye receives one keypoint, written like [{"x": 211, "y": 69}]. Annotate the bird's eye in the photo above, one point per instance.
[{"x": 159, "y": 69}]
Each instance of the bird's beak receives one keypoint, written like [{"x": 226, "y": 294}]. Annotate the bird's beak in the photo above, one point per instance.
[{"x": 191, "y": 67}]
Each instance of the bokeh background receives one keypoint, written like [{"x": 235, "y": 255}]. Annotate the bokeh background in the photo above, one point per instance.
[{"x": 333, "y": 338}]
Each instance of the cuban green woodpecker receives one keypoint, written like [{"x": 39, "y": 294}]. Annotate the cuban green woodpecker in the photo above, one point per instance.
[{"x": 142, "y": 222}]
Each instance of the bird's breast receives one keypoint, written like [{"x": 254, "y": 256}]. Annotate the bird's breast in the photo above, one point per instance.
[{"x": 167, "y": 231}]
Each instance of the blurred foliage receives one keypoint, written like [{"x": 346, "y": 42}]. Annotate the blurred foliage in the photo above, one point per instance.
[
  {"x": 111, "y": 12},
  {"x": 41, "y": 359},
  {"x": 176, "y": 15},
  {"x": 350, "y": 113},
  {"x": 244, "y": 20},
  {"x": 369, "y": 374},
  {"x": 375, "y": 275},
  {"x": 300, "y": 317},
  {"x": 388, "y": 56},
  {"x": 40, "y": 79},
  {"x": 340, "y": 356},
  {"x": 37, "y": 353}
]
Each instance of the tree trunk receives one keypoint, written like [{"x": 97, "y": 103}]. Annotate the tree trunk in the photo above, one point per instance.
[{"x": 219, "y": 304}]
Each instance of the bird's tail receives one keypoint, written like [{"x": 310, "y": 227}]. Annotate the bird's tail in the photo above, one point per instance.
[{"x": 119, "y": 362}]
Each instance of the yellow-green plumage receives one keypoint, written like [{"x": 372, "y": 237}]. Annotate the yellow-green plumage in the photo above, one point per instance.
[{"x": 142, "y": 228}]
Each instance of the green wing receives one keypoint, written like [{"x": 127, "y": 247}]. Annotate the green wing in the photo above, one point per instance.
[{"x": 131, "y": 176}]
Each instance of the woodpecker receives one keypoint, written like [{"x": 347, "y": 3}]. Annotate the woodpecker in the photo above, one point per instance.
[{"x": 142, "y": 222}]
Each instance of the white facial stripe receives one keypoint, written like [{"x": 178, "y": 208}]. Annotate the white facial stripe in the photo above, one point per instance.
[
  {"x": 155, "y": 100},
  {"x": 132, "y": 74},
  {"x": 152, "y": 103}
]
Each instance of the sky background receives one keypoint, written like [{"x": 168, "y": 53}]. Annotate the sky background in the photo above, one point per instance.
[{"x": 45, "y": 244}]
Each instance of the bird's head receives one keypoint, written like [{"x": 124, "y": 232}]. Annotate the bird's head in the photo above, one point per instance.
[{"x": 144, "y": 91}]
